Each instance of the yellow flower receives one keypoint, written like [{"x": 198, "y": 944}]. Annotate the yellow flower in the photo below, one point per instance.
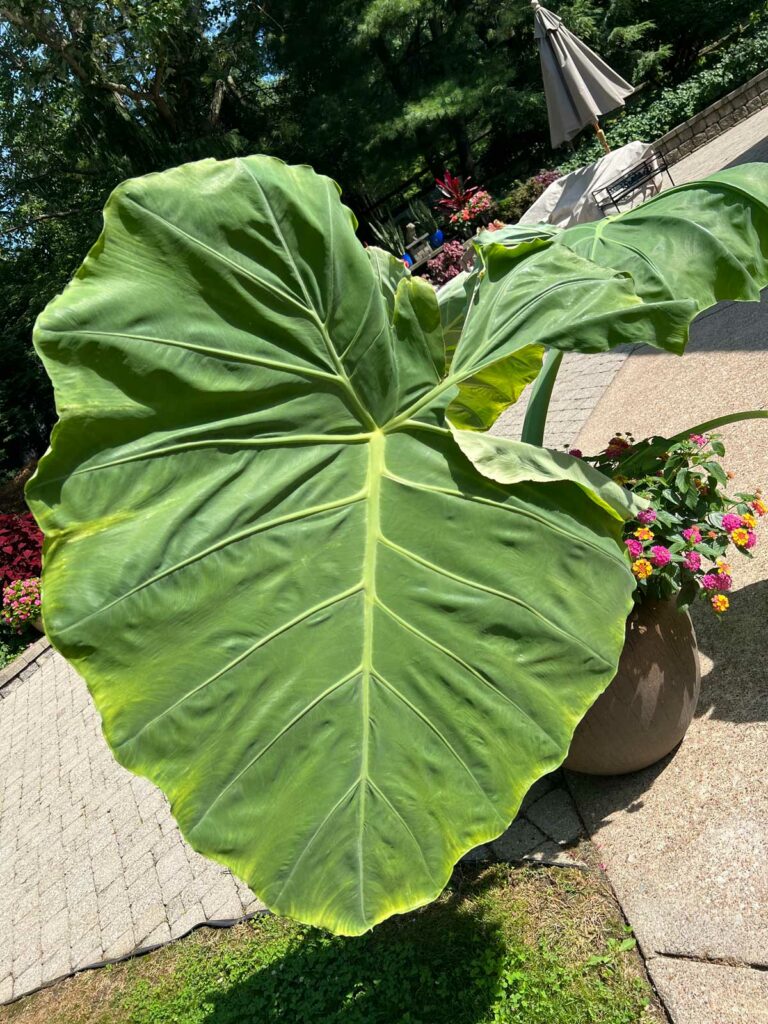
[
  {"x": 642, "y": 568},
  {"x": 723, "y": 567},
  {"x": 749, "y": 520},
  {"x": 740, "y": 537},
  {"x": 643, "y": 533},
  {"x": 719, "y": 603}
]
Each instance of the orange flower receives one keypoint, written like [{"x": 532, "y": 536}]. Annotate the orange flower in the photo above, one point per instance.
[
  {"x": 719, "y": 603},
  {"x": 642, "y": 568},
  {"x": 643, "y": 533},
  {"x": 740, "y": 537}
]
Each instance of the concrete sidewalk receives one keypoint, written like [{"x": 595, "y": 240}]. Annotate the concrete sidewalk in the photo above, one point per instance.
[{"x": 685, "y": 843}]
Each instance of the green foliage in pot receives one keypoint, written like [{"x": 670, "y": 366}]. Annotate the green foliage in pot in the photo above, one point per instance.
[{"x": 341, "y": 633}]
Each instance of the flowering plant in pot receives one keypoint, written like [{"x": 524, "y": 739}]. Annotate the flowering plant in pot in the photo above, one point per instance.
[
  {"x": 682, "y": 548},
  {"x": 336, "y": 621}
]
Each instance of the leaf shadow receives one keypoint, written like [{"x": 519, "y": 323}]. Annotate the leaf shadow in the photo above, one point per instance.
[
  {"x": 440, "y": 963},
  {"x": 734, "y": 681}
]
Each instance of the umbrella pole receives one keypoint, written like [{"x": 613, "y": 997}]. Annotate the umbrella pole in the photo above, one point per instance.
[{"x": 601, "y": 136}]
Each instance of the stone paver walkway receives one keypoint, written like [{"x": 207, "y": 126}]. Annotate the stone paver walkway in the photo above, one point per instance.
[{"x": 92, "y": 865}]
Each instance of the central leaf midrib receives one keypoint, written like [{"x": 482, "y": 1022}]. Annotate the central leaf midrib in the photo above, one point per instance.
[{"x": 372, "y": 536}]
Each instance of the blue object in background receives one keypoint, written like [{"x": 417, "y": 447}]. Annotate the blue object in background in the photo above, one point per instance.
[
  {"x": 436, "y": 239},
  {"x": 407, "y": 259}
]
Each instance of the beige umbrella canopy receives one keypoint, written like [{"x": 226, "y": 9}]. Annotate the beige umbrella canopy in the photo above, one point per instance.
[{"x": 578, "y": 85}]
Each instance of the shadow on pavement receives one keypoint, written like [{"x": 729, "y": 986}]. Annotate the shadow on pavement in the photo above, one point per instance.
[
  {"x": 757, "y": 154},
  {"x": 442, "y": 964},
  {"x": 736, "y": 687},
  {"x": 600, "y": 796},
  {"x": 726, "y": 327}
]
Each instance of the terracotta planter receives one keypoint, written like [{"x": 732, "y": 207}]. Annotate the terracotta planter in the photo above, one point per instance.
[{"x": 648, "y": 707}]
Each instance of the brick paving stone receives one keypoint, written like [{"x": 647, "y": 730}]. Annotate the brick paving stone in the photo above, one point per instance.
[
  {"x": 92, "y": 865},
  {"x": 557, "y": 817}
]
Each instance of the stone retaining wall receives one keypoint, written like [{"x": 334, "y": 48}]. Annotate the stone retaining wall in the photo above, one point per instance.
[{"x": 715, "y": 119}]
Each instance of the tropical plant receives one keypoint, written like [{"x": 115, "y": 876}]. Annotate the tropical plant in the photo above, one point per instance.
[
  {"x": 423, "y": 217},
  {"x": 455, "y": 192},
  {"x": 389, "y": 234},
  {"x": 342, "y": 633}
]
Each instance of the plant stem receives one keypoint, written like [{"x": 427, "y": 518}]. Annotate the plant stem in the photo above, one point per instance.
[{"x": 538, "y": 406}]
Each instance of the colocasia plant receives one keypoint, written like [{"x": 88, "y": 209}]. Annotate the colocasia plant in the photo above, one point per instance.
[
  {"x": 682, "y": 543},
  {"x": 337, "y": 622},
  {"x": 21, "y": 603}
]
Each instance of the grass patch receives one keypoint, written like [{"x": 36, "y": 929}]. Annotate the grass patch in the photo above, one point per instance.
[{"x": 501, "y": 946}]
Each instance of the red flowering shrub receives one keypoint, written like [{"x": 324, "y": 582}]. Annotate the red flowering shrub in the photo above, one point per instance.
[{"x": 20, "y": 547}]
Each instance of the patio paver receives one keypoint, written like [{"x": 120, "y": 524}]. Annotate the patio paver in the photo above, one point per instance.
[{"x": 92, "y": 865}]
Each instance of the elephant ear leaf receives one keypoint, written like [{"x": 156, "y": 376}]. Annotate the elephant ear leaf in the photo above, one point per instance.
[
  {"x": 511, "y": 462},
  {"x": 454, "y": 299},
  {"x": 693, "y": 245},
  {"x": 300, "y": 609}
]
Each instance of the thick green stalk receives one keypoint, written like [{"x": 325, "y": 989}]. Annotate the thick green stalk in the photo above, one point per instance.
[{"x": 538, "y": 406}]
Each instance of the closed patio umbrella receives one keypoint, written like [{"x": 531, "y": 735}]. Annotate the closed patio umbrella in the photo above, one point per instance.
[{"x": 578, "y": 85}]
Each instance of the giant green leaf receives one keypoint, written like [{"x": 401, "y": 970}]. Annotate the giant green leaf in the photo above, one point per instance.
[
  {"x": 341, "y": 651},
  {"x": 685, "y": 250}
]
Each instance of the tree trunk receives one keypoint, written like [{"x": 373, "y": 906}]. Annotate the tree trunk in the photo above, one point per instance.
[{"x": 464, "y": 149}]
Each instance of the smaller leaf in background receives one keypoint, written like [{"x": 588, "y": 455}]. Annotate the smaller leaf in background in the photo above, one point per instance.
[
  {"x": 515, "y": 240},
  {"x": 454, "y": 299},
  {"x": 483, "y": 397},
  {"x": 512, "y": 462}
]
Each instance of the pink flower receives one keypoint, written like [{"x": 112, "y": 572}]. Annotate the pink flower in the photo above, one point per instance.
[
  {"x": 660, "y": 555},
  {"x": 647, "y": 516},
  {"x": 692, "y": 535},
  {"x": 576, "y": 453},
  {"x": 724, "y": 582},
  {"x": 752, "y": 539},
  {"x": 635, "y": 547},
  {"x": 692, "y": 560},
  {"x": 699, "y": 439},
  {"x": 731, "y": 521},
  {"x": 709, "y": 582}
]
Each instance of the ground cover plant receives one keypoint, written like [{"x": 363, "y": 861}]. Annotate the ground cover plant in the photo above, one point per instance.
[
  {"x": 273, "y": 449},
  {"x": 502, "y": 946}
]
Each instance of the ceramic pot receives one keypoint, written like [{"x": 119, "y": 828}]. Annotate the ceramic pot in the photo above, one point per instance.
[{"x": 648, "y": 707}]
